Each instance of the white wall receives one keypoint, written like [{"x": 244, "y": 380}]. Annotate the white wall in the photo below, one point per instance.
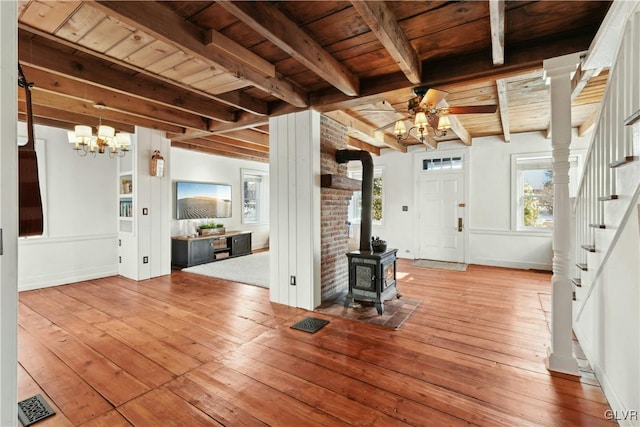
[
  {"x": 80, "y": 194},
  {"x": 188, "y": 165},
  {"x": 397, "y": 227},
  {"x": 491, "y": 239}
]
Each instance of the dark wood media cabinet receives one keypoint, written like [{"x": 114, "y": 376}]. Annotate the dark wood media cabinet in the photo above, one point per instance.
[{"x": 188, "y": 251}]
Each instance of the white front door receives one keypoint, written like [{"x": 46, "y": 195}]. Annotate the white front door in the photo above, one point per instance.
[{"x": 441, "y": 219}]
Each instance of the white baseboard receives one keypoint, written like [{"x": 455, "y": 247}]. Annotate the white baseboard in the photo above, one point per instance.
[
  {"x": 66, "y": 277},
  {"x": 522, "y": 265},
  {"x": 618, "y": 408}
]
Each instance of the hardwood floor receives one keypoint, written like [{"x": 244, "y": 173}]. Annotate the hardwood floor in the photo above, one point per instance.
[{"x": 187, "y": 350}]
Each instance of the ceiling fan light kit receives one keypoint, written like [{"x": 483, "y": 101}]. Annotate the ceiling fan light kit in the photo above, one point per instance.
[{"x": 424, "y": 106}]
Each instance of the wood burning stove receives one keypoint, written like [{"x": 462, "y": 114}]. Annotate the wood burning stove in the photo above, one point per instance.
[{"x": 372, "y": 277}]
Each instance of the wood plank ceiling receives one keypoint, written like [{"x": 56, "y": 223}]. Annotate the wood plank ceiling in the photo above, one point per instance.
[{"x": 210, "y": 74}]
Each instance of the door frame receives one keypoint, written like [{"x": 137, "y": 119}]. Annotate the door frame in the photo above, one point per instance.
[
  {"x": 465, "y": 154},
  {"x": 9, "y": 213}
]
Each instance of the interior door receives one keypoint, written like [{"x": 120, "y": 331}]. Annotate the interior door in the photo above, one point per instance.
[{"x": 441, "y": 220}]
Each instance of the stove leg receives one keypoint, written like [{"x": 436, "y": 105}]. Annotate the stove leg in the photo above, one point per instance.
[
  {"x": 380, "y": 307},
  {"x": 348, "y": 300}
]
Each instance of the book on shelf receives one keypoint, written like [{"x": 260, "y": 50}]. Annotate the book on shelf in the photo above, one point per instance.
[{"x": 126, "y": 208}]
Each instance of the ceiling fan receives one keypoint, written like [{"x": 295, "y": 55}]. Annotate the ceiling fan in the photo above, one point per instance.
[{"x": 426, "y": 112}]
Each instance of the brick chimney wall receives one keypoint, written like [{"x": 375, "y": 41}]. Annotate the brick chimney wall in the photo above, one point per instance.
[{"x": 334, "y": 211}]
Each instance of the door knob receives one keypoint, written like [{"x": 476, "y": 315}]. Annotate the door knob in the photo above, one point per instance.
[{"x": 459, "y": 224}]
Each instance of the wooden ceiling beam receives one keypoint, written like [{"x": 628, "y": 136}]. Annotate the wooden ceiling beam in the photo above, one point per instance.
[
  {"x": 248, "y": 135},
  {"x": 239, "y": 53},
  {"x": 220, "y": 139},
  {"x": 245, "y": 102},
  {"x": 366, "y": 130},
  {"x": 496, "y": 16},
  {"x": 100, "y": 73},
  {"x": 67, "y": 119},
  {"x": 272, "y": 24},
  {"x": 242, "y": 123},
  {"x": 221, "y": 128},
  {"x": 116, "y": 101},
  {"x": 503, "y": 104},
  {"x": 162, "y": 23},
  {"x": 45, "y": 121},
  {"x": 51, "y": 100},
  {"x": 225, "y": 146},
  {"x": 361, "y": 145},
  {"x": 453, "y": 71},
  {"x": 220, "y": 151},
  {"x": 456, "y": 126},
  {"x": 384, "y": 24}
]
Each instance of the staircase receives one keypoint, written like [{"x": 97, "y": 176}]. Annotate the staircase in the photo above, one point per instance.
[
  {"x": 606, "y": 235},
  {"x": 608, "y": 191}
]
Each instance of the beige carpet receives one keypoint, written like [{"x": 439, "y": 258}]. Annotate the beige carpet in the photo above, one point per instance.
[
  {"x": 250, "y": 269},
  {"x": 396, "y": 311},
  {"x": 441, "y": 265}
]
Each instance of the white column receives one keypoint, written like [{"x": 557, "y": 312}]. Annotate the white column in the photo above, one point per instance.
[
  {"x": 8, "y": 214},
  {"x": 294, "y": 235},
  {"x": 560, "y": 355}
]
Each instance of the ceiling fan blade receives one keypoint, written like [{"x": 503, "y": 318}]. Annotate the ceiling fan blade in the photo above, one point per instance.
[
  {"x": 433, "y": 98},
  {"x": 473, "y": 109},
  {"x": 366, "y": 110},
  {"x": 388, "y": 125}
]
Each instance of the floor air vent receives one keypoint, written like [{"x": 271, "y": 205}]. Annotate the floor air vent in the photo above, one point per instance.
[
  {"x": 310, "y": 324},
  {"x": 33, "y": 409}
]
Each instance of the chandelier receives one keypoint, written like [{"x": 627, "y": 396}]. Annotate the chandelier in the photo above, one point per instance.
[
  {"x": 105, "y": 140},
  {"x": 420, "y": 124}
]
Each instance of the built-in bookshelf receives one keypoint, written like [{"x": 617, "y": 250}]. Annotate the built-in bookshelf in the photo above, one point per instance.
[{"x": 126, "y": 195}]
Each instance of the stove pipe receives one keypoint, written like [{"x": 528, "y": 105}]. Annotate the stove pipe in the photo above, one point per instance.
[{"x": 344, "y": 156}]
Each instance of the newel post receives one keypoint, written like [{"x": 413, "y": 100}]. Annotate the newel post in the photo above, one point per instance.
[{"x": 559, "y": 72}]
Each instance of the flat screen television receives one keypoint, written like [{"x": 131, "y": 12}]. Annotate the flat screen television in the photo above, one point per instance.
[{"x": 202, "y": 200}]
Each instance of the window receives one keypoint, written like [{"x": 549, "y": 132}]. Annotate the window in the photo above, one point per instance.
[
  {"x": 444, "y": 163},
  {"x": 534, "y": 190},
  {"x": 377, "y": 208},
  {"x": 255, "y": 197}
]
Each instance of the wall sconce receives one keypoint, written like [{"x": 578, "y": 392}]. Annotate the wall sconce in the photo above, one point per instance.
[{"x": 157, "y": 164}]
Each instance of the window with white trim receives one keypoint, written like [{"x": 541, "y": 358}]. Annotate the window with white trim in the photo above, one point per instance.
[
  {"x": 442, "y": 163},
  {"x": 255, "y": 197},
  {"x": 533, "y": 183},
  {"x": 377, "y": 208}
]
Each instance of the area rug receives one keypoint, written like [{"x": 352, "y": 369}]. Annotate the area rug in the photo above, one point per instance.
[
  {"x": 396, "y": 311},
  {"x": 251, "y": 269},
  {"x": 441, "y": 265}
]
